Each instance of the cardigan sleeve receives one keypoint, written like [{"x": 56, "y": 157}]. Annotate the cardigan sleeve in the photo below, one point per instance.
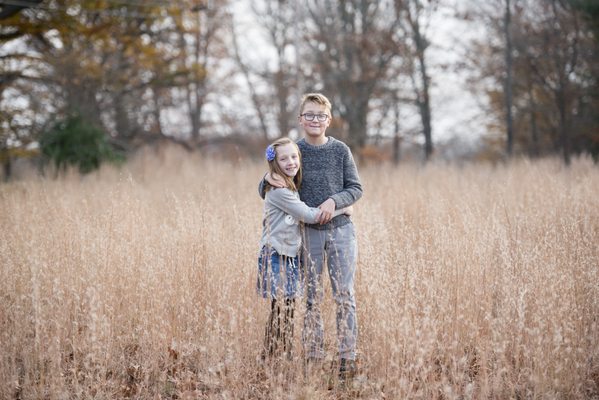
[
  {"x": 290, "y": 203},
  {"x": 287, "y": 201}
]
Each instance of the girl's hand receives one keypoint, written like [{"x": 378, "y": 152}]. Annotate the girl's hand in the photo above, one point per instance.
[
  {"x": 275, "y": 180},
  {"x": 348, "y": 210}
]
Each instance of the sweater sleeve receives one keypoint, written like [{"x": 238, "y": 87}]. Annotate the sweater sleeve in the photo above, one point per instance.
[
  {"x": 261, "y": 187},
  {"x": 352, "y": 188},
  {"x": 285, "y": 200}
]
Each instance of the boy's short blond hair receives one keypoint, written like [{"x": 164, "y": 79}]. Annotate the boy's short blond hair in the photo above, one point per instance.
[{"x": 317, "y": 98}]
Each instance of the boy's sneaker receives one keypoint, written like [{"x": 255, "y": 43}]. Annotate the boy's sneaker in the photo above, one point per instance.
[{"x": 312, "y": 365}]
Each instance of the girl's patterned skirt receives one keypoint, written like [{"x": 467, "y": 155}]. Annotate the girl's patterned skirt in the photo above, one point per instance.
[{"x": 279, "y": 276}]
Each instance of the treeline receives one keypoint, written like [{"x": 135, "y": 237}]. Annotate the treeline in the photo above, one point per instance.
[
  {"x": 142, "y": 71},
  {"x": 544, "y": 66}
]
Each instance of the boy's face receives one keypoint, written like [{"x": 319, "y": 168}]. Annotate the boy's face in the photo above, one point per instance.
[{"x": 315, "y": 129}]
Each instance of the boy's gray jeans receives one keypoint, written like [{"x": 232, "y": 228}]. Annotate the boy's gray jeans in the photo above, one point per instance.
[{"x": 339, "y": 248}]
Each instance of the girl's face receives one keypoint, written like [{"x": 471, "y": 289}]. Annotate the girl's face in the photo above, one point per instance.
[{"x": 288, "y": 159}]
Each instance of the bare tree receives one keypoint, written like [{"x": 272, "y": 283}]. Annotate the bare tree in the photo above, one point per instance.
[
  {"x": 247, "y": 74},
  {"x": 416, "y": 15},
  {"x": 279, "y": 19},
  {"x": 273, "y": 83},
  {"x": 352, "y": 44},
  {"x": 199, "y": 26},
  {"x": 554, "y": 59},
  {"x": 533, "y": 53},
  {"x": 565, "y": 61},
  {"x": 509, "y": 120}
]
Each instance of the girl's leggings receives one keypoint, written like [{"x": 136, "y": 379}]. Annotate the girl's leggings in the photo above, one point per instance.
[{"x": 278, "y": 337}]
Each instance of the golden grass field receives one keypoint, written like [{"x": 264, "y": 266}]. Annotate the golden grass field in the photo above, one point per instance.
[{"x": 473, "y": 282}]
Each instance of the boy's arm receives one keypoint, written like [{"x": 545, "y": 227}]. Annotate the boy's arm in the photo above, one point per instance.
[
  {"x": 352, "y": 188},
  {"x": 262, "y": 187},
  {"x": 274, "y": 181}
]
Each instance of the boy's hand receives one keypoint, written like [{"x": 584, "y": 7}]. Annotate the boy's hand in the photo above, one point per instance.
[
  {"x": 327, "y": 209},
  {"x": 275, "y": 180},
  {"x": 348, "y": 210}
]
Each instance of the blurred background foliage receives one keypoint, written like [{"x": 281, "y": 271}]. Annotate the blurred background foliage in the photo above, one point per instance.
[
  {"x": 76, "y": 142},
  {"x": 150, "y": 72}
]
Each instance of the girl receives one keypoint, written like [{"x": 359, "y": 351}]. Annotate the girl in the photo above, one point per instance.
[{"x": 278, "y": 271}]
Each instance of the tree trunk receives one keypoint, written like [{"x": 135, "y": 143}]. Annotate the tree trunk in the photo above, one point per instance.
[
  {"x": 357, "y": 119},
  {"x": 7, "y": 168},
  {"x": 253, "y": 94},
  {"x": 564, "y": 135},
  {"x": 199, "y": 82},
  {"x": 157, "y": 111},
  {"x": 534, "y": 150},
  {"x": 194, "y": 108},
  {"x": 192, "y": 113},
  {"x": 121, "y": 119},
  {"x": 282, "y": 95},
  {"x": 561, "y": 92},
  {"x": 423, "y": 97},
  {"x": 508, "y": 79},
  {"x": 396, "y": 136},
  {"x": 425, "y": 106},
  {"x": 425, "y": 111}
]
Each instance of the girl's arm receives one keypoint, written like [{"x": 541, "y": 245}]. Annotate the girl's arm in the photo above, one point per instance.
[
  {"x": 287, "y": 201},
  {"x": 349, "y": 210}
]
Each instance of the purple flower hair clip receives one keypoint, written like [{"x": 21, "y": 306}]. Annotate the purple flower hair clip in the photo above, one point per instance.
[{"x": 270, "y": 153}]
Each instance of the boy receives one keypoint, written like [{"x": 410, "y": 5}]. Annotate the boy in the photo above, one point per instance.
[{"x": 330, "y": 182}]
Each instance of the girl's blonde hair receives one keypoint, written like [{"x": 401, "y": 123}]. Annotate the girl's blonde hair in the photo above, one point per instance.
[{"x": 294, "y": 183}]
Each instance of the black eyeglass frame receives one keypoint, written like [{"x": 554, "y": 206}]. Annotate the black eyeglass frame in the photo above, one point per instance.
[{"x": 317, "y": 116}]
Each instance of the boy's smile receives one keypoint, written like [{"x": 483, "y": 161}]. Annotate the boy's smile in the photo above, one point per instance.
[{"x": 315, "y": 130}]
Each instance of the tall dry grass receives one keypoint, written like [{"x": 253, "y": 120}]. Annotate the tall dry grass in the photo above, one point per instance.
[{"x": 473, "y": 283}]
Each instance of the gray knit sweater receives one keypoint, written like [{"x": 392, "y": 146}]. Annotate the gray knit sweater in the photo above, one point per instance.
[{"x": 329, "y": 171}]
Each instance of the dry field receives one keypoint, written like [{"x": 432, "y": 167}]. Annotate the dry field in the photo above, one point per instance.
[{"x": 476, "y": 282}]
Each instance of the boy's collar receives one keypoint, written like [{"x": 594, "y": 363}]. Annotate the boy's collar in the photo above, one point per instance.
[{"x": 326, "y": 140}]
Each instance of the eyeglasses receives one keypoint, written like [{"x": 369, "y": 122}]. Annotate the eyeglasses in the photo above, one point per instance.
[{"x": 310, "y": 117}]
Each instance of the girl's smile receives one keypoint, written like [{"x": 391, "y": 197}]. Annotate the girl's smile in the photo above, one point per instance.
[{"x": 288, "y": 159}]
